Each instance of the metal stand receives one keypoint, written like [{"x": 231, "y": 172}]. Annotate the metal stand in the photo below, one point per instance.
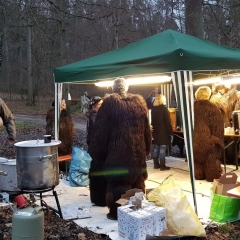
[{"x": 41, "y": 191}]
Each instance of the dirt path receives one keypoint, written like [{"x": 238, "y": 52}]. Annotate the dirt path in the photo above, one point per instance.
[{"x": 41, "y": 121}]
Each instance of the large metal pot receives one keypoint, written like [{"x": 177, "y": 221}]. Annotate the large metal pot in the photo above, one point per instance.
[
  {"x": 8, "y": 176},
  {"x": 37, "y": 164}
]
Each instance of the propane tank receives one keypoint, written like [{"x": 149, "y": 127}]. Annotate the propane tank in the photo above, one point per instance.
[{"x": 28, "y": 223}]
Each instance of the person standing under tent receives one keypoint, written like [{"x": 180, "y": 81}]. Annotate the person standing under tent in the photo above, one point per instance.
[
  {"x": 85, "y": 101},
  {"x": 95, "y": 181},
  {"x": 162, "y": 131},
  {"x": 120, "y": 143},
  {"x": 95, "y": 104}
]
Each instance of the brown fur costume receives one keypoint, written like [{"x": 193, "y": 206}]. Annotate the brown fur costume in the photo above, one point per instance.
[
  {"x": 66, "y": 130},
  {"x": 225, "y": 98},
  {"x": 121, "y": 141},
  {"x": 237, "y": 104},
  {"x": 208, "y": 139}
]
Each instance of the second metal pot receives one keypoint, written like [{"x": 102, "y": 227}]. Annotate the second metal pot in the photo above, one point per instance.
[{"x": 8, "y": 176}]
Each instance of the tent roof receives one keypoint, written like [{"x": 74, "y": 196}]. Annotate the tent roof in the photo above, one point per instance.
[{"x": 164, "y": 52}]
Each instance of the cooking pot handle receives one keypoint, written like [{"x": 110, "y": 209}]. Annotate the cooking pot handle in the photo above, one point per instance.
[
  {"x": 3, "y": 173},
  {"x": 44, "y": 157}
]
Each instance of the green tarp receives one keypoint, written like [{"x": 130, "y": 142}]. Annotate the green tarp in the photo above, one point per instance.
[{"x": 167, "y": 51}]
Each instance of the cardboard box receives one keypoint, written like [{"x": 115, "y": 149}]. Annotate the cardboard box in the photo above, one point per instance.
[
  {"x": 129, "y": 215},
  {"x": 226, "y": 182},
  {"x": 132, "y": 196},
  {"x": 140, "y": 223},
  {"x": 146, "y": 203},
  {"x": 123, "y": 220},
  {"x": 159, "y": 219}
]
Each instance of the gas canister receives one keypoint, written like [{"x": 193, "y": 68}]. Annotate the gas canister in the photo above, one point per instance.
[{"x": 28, "y": 223}]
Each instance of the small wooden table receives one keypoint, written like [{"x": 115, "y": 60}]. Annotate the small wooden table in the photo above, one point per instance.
[
  {"x": 66, "y": 159},
  {"x": 234, "y": 139}
]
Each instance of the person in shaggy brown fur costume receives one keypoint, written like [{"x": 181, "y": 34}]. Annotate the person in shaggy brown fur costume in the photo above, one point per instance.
[
  {"x": 225, "y": 98},
  {"x": 66, "y": 128},
  {"x": 208, "y": 138},
  {"x": 120, "y": 143},
  {"x": 237, "y": 104}
]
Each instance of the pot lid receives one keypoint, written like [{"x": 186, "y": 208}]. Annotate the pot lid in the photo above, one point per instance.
[
  {"x": 37, "y": 143},
  {"x": 3, "y": 160}
]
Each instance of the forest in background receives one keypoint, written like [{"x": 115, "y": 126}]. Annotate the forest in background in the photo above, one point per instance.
[{"x": 39, "y": 35}]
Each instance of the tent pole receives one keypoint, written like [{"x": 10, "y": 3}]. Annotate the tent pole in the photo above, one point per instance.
[
  {"x": 58, "y": 96},
  {"x": 186, "y": 109}
]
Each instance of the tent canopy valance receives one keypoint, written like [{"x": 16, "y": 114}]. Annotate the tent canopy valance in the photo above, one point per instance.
[
  {"x": 167, "y": 51},
  {"x": 170, "y": 52}
]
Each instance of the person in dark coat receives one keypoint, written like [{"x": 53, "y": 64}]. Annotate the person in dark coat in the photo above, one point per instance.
[
  {"x": 162, "y": 131},
  {"x": 120, "y": 143},
  {"x": 95, "y": 104},
  {"x": 97, "y": 195}
]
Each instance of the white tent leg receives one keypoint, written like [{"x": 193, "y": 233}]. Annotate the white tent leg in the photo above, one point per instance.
[
  {"x": 58, "y": 97},
  {"x": 185, "y": 105}
]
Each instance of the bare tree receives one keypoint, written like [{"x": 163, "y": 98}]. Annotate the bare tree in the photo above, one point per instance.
[
  {"x": 44, "y": 34},
  {"x": 29, "y": 54},
  {"x": 194, "y": 18}
]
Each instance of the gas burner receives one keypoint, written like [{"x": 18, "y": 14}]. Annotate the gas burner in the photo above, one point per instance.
[{"x": 43, "y": 204}]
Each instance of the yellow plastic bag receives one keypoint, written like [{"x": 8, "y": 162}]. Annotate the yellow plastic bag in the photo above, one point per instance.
[{"x": 181, "y": 218}]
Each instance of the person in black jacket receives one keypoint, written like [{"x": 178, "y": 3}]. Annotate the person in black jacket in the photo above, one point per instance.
[
  {"x": 162, "y": 131},
  {"x": 95, "y": 104}
]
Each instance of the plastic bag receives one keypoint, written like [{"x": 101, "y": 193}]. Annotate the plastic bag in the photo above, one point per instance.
[
  {"x": 181, "y": 218},
  {"x": 79, "y": 167},
  {"x": 224, "y": 208}
]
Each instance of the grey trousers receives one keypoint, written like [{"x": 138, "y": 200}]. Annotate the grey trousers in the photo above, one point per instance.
[{"x": 159, "y": 151}]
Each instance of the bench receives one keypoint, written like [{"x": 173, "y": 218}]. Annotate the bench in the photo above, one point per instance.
[{"x": 66, "y": 159}]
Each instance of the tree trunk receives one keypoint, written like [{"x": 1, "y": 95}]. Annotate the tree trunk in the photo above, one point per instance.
[
  {"x": 194, "y": 18},
  {"x": 29, "y": 58}
]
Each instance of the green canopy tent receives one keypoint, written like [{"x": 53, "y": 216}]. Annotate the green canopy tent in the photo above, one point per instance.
[{"x": 170, "y": 52}]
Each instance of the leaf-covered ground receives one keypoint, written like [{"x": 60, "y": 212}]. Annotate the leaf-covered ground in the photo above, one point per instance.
[{"x": 54, "y": 227}]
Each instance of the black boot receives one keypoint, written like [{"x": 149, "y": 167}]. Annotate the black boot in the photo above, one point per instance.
[
  {"x": 156, "y": 163},
  {"x": 163, "y": 167}
]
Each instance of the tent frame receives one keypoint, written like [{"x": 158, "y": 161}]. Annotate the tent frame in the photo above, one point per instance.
[
  {"x": 169, "y": 52},
  {"x": 185, "y": 106}
]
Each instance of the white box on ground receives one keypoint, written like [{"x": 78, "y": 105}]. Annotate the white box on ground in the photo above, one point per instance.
[
  {"x": 4, "y": 197},
  {"x": 159, "y": 219},
  {"x": 140, "y": 223},
  {"x": 123, "y": 220},
  {"x": 146, "y": 203}
]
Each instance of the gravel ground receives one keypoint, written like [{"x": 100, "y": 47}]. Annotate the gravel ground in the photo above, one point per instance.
[{"x": 38, "y": 130}]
